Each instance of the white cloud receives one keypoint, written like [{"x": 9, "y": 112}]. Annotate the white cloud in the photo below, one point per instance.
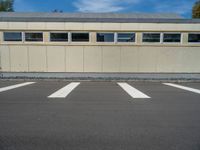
[
  {"x": 182, "y": 7},
  {"x": 102, "y": 5}
]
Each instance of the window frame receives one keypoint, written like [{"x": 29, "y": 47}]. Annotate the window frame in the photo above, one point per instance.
[
  {"x": 58, "y": 33},
  {"x": 71, "y": 40},
  {"x": 34, "y": 41},
  {"x": 126, "y": 33},
  {"x": 181, "y": 37},
  {"x": 114, "y": 37},
  {"x": 193, "y": 42},
  {"x": 160, "y": 42},
  {"x": 3, "y": 38}
]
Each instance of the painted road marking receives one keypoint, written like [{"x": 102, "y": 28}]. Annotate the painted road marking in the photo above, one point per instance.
[
  {"x": 62, "y": 93},
  {"x": 133, "y": 92},
  {"x": 15, "y": 86},
  {"x": 183, "y": 87}
]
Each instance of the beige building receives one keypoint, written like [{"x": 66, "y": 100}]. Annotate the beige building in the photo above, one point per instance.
[{"x": 99, "y": 43}]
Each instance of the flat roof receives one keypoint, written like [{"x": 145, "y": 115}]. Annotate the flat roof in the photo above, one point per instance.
[{"x": 95, "y": 17}]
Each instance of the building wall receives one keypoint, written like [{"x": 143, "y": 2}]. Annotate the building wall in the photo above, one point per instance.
[
  {"x": 98, "y": 26},
  {"x": 99, "y": 57}
]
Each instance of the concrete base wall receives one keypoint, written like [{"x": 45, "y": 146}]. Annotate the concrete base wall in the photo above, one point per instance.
[
  {"x": 100, "y": 59},
  {"x": 102, "y": 76}
]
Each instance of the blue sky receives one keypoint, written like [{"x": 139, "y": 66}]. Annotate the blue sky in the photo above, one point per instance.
[{"x": 182, "y": 7}]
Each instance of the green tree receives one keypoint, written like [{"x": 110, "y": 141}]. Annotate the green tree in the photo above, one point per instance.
[
  {"x": 6, "y": 5},
  {"x": 57, "y": 11},
  {"x": 196, "y": 10}
]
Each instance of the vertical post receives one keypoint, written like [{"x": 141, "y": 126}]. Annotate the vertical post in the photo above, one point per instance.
[
  {"x": 46, "y": 37},
  {"x": 184, "y": 38},
  {"x": 70, "y": 37},
  {"x": 93, "y": 37},
  {"x": 115, "y": 37},
  {"x": 161, "y": 38},
  {"x": 138, "y": 38}
]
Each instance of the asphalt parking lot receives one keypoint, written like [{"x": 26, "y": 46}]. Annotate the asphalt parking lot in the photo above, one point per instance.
[{"x": 63, "y": 115}]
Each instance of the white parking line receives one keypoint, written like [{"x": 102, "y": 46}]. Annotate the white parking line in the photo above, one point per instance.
[
  {"x": 183, "y": 87},
  {"x": 133, "y": 92},
  {"x": 15, "y": 86},
  {"x": 62, "y": 93}
]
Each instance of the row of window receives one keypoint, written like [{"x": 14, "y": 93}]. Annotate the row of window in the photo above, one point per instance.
[
  {"x": 167, "y": 37},
  {"x": 101, "y": 37},
  {"x": 64, "y": 37},
  {"x": 38, "y": 37}
]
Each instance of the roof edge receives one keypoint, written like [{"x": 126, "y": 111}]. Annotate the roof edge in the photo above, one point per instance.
[{"x": 101, "y": 20}]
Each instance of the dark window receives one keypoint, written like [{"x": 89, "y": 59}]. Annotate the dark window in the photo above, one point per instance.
[
  {"x": 151, "y": 37},
  {"x": 80, "y": 37},
  {"x": 59, "y": 37},
  {"x": 105, "y": 37},
  {"x": 12, "y": 36},
  {"x": 172, "y": 37},
  {"x": 194, "y": 38},
  {"x": 126, "y": 37},
  {"x": 35, "y": 37}
]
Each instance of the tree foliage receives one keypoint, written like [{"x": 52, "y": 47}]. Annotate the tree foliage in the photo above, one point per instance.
[
  {"x": 6, "y": 5},
  {"x": 196, "y": 10},
  {"x": 57, "y": 11}
]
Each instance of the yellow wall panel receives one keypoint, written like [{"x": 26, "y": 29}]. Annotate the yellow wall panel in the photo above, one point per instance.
[
  {"x": 159, "y": 27},
  {"x": 5, "y": 58},
  {"x": 91, "y": 26},
  {"x": 74, "y": 58},
  {"x": 55, "y": 26},
  {"x": 150, "y": 59},
  {"x": 3, "y": 25},
  {"x": 56, "y": 58},
  {"x": 129, "y": 26},
  {"x": 188, "y": 62},
  {"x": 17, "y": 25},
  {"x": 19, "y": 58},
  {"x": 129, "y": 59},
  {"x": 178, "y": 59},
  {"x": 92, "y": 59},
  {"x": 147, "y": 59},
  {"x": 36, "y": 26},
  {"x": 37, "y": 58},
  {"x": 111, "y": 59},
  {"x": 100, "y": 26},
  {"x": 73, "y": 26},
  {"x": 110, "y": 26},
  {"x": 168, "y": 59}
]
